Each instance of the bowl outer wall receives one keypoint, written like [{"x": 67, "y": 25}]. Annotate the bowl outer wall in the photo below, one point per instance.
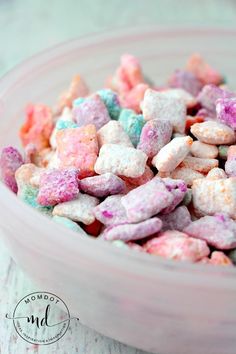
[{"x": 154, "y": 304}]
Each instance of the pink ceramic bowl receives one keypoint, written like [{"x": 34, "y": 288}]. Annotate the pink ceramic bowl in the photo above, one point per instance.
[{"x": 161, "y": 306}]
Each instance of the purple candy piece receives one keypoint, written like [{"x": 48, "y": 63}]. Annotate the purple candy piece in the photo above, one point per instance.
[
  {"x": 10, "y": 161},
  {"x": 230, "y": 167},
  {"x": 58, "y": 186},
  {"x": 178, "y": 188},
  {"x": 187, "y": 81},
  {"x": 91, "y": 111},
  {"x": 147, "y": 200},
  {"x": 210, "y": 94},
  {"x": 218, "y": 231},
  {"x": 155, "y": 134},
  {"x": 132, "y": 232},
  {"x": 103, "y": 185},
  {"x": 111, "y": 211},
  {"x": 176, "y": 220},
  {"x": 226, "y": 111}
]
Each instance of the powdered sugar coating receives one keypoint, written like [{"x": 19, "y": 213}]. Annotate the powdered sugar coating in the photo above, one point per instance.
[
  {"x": 80, "y": 209},
  {"x": 103, "y": 185},
  {"x": 157, "y": 105},
  {"x": 209, "y": 95},
  {"x": 178, "y": 246},
  {"x": 155, "y": 134},
  {"x": 111, "y": 211},
  {"x": 10, "y": 161},
  {"x": 212, "y": 132},
  {"x": 78, "y": 148},
  {"x": 186, "y": 174},
  {"x": 230, "y": 165},
  {"x": 132, "y": 232},
  {"x": 147, "y": 200},
  {"x": 178, "y": 188},
  {"x": 176, "y": 220},
  {"x": 215, "y": 196},
  {"x": 226, "y": 111},
  {"x": 202, "y": 150},
  {"x": 120, "y": 160},
  {"x": 199, "y": 164},
  {"x": 170, "y": 156},
  {"x": 187, "y": 81},
  {"x": 91, "y": 111},
  {"x": 113, "y": 133},
  {"x": 58, "y": 186},
  {"x": 218, "y": 231}
]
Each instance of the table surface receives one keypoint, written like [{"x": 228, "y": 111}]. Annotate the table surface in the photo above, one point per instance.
[{"x": 30, "y": 26}]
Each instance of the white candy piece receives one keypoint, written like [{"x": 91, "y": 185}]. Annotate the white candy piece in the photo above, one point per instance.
[
  {"x": 160, "y": 105},
  {"x": 120, "y": 160},
  {"x": 181, "y": 94},
  {"x": 202, "y": 150},
  {"x": 216, "y": 173},
  {"x": 199, "y": 164},
  {"x": 215, "y": 196},
  {"x": 113, "y": 133},
  {"x": 186, "y": 174},
  {"x": 80, "y": 209},
  {"x": 172, "y": 154},
  {"x": 212, "y": 132}
]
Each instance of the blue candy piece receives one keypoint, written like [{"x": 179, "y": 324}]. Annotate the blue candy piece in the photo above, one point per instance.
[
  {"x": 29, "y": 195},
  {"x": 78, "y": 101},
  {"x": 132, "y": 123},
  {"x": 111, "y": 101},
  {"x": 68, "y": 223},
  {"x": 63, "y": 124}
]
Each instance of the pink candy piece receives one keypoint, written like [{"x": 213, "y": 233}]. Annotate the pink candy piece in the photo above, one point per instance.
[
  {"x": 155, "y": 134},
  {"x": 131, "y": 232},
  {"x": 209, "y": 95},
  {"x": 178, "y": 188},
  {"x": 111, "y": 211},
  {"x": 147, "y": 200},
  {"x": 91, "y": 111},
  {"x": 78, "y": 148},
  {"x": 134, "y": 97},
  {"x": 128, "y": 74},
  {"x": 103, "y": 185},
  {"x": 37, "y": 127},
  {"x": 203, "y": 71},
  {"x": 219, "y": 258},
  {"x": 226, "y": 111},
  {"x": 176, "y": 220},
  {"x": 187, "y": 81},
  {"x": 177, "y": 245},
  {"x": 10, "y": 161},
  {"x": 218, "y": 231},
  {"x": 77, "y": 88},
  {"x": 58, "y": 186}
]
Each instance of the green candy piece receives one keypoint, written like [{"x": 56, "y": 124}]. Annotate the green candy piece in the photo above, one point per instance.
[
  {"x": 64, "y": 124},
  {"x": 111, "y": 101},
  {"x": 68, "y": 223},
  {"x": 29, "y": 195},
  {"x": 223, "y": 151},
  {"x": 132, "y": 123}
]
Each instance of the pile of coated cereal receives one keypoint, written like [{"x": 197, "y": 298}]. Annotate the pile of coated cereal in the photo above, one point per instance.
[{"x": 143, "y": 167}]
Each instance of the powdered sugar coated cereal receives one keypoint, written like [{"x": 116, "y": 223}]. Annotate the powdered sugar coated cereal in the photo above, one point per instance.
[{"x": 120, "y": 160}]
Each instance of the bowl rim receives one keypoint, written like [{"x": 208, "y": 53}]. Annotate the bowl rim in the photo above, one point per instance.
[{"x": 150, "y": 265}]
